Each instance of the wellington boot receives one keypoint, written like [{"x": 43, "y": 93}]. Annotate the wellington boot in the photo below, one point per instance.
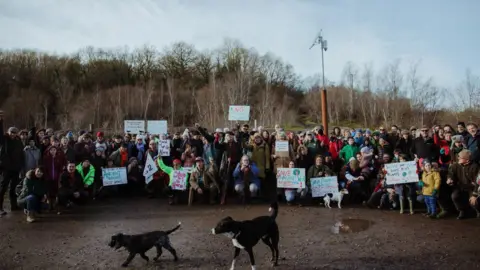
[
  {"x": 401, "y": 206},
  {"x": 410, "y": 205}
]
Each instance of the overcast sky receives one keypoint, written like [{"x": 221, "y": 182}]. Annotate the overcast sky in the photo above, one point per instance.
[{"x": 442, "y": 34}]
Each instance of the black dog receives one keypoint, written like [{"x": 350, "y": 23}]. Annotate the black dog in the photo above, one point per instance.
[
  {"x": 141, "y": 243},
  {"x": 246, "y": 234}
]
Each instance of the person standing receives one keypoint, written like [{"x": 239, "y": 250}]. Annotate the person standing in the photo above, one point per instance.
[{"x": 12, "y": 159}]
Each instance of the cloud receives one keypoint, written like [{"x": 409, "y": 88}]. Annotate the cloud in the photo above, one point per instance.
[{"x": 285, "y": 28}]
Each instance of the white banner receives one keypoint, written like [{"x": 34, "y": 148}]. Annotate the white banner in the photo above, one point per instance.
[
  {"x": 164, "y": 148},
  {"x": 114, "y": 176},
  {"x": 134, "y": 126},
  {"x": 157, "y": 127}
]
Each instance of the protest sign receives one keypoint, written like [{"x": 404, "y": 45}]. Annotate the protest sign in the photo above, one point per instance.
[
  {"x": 150, "y": 168},
  {"x": 157, "y": 126},
  {"x": 282, "y": 148},
  {"x": 114, "y": 176},
  {"x": 164, "y": 148},
  {"x": 239, "y": 113},
  {"x": 323, "y": 185},
  {"x": 401, "y": 173},
  {"x": 179, "y": 180},
  {"x": 134, "y": 126},
  {"x": 290, "y": 178}
]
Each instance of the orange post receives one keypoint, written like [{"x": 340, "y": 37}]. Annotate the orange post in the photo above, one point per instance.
[{"x": 324, "y": 111}]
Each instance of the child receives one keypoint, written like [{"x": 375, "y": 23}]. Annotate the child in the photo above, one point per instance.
[
  {"x": 430, "y": 185},
  {"x": 411, "y": 190}
]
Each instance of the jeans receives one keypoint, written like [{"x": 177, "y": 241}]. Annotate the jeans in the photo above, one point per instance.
[
  {"x": 32, "y": 203},
  {"x": 431, "y": 203},
  {"x": 290, "y": 194},
  {"x": 239, "y": 188},
  {"x": 9, "y": 178}
]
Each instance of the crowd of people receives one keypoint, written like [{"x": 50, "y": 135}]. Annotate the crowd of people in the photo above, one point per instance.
[{"x": 47, "y": 171}]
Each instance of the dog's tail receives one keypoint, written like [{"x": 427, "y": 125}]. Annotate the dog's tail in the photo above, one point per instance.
[
  {"x": 174, "y": 229},
  {"x": 274, "y": 209}
]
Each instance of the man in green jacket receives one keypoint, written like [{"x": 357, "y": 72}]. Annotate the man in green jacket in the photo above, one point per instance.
[
  {"x": 170, "y": 190},
  {"x": 87, "y": 172}
]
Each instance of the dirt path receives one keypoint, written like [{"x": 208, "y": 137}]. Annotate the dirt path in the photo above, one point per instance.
[{"x": 381, "y": 239}]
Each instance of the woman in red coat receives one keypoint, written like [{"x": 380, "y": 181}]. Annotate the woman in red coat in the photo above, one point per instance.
[{"x": 54, "y": 162}]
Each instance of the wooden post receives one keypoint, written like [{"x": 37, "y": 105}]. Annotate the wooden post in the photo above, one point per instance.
[{"x": 324, "y": 111}]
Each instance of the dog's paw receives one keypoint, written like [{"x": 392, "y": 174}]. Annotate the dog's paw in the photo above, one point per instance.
[
  {"x": 125, "y": 265},
  {"x": 175, "y": 259}
]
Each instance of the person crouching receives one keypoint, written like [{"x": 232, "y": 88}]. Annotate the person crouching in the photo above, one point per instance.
[
  {"x": 31, "y": 193},
  {"x": 246, "y": 175},
  {"x": 204, "y": 179},
  {"x": 172, "y": 194},
  {"x": 72, "y": 188}
]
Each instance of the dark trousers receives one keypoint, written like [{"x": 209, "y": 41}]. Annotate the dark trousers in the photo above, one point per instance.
[
  {"x": 32, "y": 203},
  {"x": 460, "y": 200},
  {"x": 210, "y": 193},
  {"x": 66, "y": 195},
  {"x": 9, "y": 181},
  {"x": 445, "y": 198}
]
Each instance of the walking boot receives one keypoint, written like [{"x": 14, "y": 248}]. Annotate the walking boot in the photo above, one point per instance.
[
  {"x": 410, "y": 205},
  {"x": 2, "y": 212},
  {"x": 461, "y": 215},
  {"x": 401, "y": 206},
  {"x": 442, "y": 214}
]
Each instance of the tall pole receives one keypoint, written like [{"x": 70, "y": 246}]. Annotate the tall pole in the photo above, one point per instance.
[{"x": 323, "y": 94}]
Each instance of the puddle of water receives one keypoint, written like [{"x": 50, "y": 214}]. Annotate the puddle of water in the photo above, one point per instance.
[{"x": 346, "y": 226}]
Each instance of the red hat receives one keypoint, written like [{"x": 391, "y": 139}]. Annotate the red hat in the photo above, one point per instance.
[
  {"x": 177, "y": 161},
  {"x": 99, "y": 134}
]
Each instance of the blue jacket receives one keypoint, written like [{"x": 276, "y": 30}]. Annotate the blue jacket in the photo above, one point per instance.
[{"x": 238, "y": 175}]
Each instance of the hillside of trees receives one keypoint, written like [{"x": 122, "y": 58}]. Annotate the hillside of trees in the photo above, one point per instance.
[{"x": 184, "y": 86}]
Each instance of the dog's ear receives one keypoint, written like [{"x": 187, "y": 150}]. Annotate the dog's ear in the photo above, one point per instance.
[{"x": 229, "y": 218}]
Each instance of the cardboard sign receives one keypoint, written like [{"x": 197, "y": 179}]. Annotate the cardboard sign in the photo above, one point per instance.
[
  {"x": 401, "y": 173},
  {"x": 134, "y": 126},
  {"x": 239, "y": 113},
  {"x": 322, "y": 186},
  {"x": 164, "y": 148},
  {"x": 114, "y": 176},
  {"x": 150, "y": 169},
  {"x": 157, "y": 126},
  {"x": 290, "y": 178},
  {"x": 282, "y": 148},
  {"x": 179, "y": 180}
]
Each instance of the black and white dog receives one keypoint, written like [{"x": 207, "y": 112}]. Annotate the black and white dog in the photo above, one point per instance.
[
  {"x": 141, "y": 243},
  {"x": 246, "y": 234}
]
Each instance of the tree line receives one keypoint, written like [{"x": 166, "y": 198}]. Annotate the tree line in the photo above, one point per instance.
[{"x": 183, "y": 85}]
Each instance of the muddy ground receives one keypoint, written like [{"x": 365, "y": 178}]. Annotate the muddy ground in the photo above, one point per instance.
[{"x": 309, "y": 240}]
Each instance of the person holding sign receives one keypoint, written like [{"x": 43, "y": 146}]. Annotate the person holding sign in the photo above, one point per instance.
[
  {"x": 204, "y": 180},
  {"x": 317, "y": 170},
  {"x": 177, "y": 166},
  {"x": 290, "y": 193},
  {"x": 246, "y": 175},
  {"x": 281, "y": 159}
]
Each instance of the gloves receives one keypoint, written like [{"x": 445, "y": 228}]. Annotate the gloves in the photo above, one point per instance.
[
  {"x": 434, "y": 193},
  {"x": 442, "y": 151},
  {"x": 420, "y": 184}
]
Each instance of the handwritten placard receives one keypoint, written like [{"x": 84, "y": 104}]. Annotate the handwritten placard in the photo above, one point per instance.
[
  {"x": 157, "y": 126},
  {"x": 150, "y": 169},
  {"x": 290, "y": 178},
  {"x": 179, "y": 181},
  {"x": 239, "y": 113},
  {"x": 281, "y": 148},
  {"x": 164, "y": 148},
  {"x": 322, "y": 186},
  {"x": 114, "y": 176},
  {"x": 401, "y": 173},
  {"x": 134, "y": 126}
]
